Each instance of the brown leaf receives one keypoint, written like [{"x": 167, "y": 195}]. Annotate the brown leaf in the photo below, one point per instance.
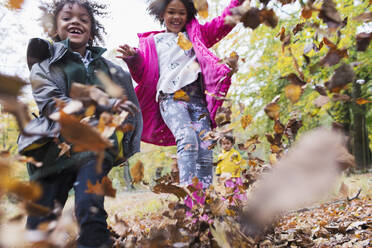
[
  {"x": 111, "y": 88},
  {"x": 202, "y": 7},
  {"x": 333, "y": 57},
  {"x": 362, "y": 101},
  {"x": 278, "y": 127},
  {"x": 272, "y": 110},
  {"x": 169, "y": 189},
  {"x": 306, "y": 12},
  {"x": 232, "y": 62},
  {"x": 293, "y": 92},
  {"x": 342, "y": 76},
  {"x": 19, "y": 109},
  {"x": 103, "y": 188},
  {"x": 298, "y": 28},
  {"x": 251, "y": 18},
  {"x": 65, "y": 149},
  {"x": 223, "y": 116},
  {"x": 88, "y": 93},
  {"x": 33, "y": 209},
  {"x": 83, "y": 136},
  {"x": 292, "y": 127},
  {"x": 15, "y": 4},
  {"x": 321, "y": 90},
  {"x": 329, "y": 14},
  {"x": 25, "y": 190},
  {"x": 11, "y": 85},
  {"x": 246, "y": 120},
  {"x": 340, "y": 97},
  {"x": 181, "y": 95},
  {"x": 363, "y": 40},
  {"x": 284, "y": 2},
  {"x": 269, "y": 18},
  {"x": 320, "y": 101},
  {"x": 137, "y": 172},
  {"x": 367, "y": 16},
  {"x": 294, "y": 79},
  {"x": 184, "y": 42}
]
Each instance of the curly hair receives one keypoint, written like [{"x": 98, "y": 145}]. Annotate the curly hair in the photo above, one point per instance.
[
  {"x": 94, "y": 10},
  {"x": 227, "y": 136},
  {"x": 157, "y": 9}
]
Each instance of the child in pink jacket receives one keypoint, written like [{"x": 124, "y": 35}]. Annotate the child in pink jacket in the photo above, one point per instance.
[{"x": 163, "y": 71}]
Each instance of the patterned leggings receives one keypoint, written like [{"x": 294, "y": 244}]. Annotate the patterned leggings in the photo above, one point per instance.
[{"x": 189, "y": 122}]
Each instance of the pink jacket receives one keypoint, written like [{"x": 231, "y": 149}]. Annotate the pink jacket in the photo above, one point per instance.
[{"x": 145, "y": 71}]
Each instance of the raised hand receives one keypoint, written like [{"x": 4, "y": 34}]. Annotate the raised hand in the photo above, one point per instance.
[{"x": 126, "y": 51}]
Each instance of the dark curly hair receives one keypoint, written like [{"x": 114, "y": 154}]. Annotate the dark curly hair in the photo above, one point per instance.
[
  {"x": 94, "y": 10},
  {"x": 157, "y": 9},
  {"x": 228, "y": 136}
]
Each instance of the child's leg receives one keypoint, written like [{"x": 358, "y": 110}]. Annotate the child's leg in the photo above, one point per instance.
[
  {"x": 89, "y": 208},
  {"x": 176, "y": 115},
  {"x": 204, "y": 162},
  {"x": 55, "y": 188}
]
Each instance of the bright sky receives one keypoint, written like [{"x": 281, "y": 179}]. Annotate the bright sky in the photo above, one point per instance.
[{"x": 126, "y": 19}]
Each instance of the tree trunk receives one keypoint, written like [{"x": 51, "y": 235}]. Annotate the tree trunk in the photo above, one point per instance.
[{"x": 361, "y": 149}]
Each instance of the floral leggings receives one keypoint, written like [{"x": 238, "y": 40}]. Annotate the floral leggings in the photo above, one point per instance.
[{"x": 189, "y": 122}]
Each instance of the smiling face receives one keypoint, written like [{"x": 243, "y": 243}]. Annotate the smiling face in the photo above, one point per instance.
[
  {"x": 226, "y": 144},
  {"x": 74, "y": 22},
  {"x": 175, "y": 16}
]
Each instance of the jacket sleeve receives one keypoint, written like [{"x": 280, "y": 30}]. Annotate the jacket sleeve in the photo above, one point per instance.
[
  {"x": 136, "y": 65},
  {"x": 216, "y": 29},
  {"x": 44, "y": 90}
]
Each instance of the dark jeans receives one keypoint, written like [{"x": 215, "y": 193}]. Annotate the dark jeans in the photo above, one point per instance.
[{"x": 89, "y": 209}]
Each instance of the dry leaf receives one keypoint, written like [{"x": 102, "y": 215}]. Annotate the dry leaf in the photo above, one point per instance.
[
  {"x": 137, "y": 172},
  {"x": 181, "y": 95},
  {"x": 364, "y": 17},
  {"x": 169, "y": 189},
  {"x": 362, "y": 101},
  {"x": 83, "y": 136},
  {"x": 293, "y": 92},
  {"x": 33, "y": 209},
  {"x": 65, "y": 149},
  {"x": 251, "y": 18},
  {"x": 269, "y": 18},
  {"x": 25, "y": 190},
  {"x": 246, "y": 120},
  {"x": 184, "y": 42},
  {"x": 329, "y": 14},
  {"x": 202, "y": 7},
  {"x": 294, "y": 79},
  {"x": 11, "y": 85},
  {"x": 363, "y": 40},
  {"x": 104, "y": 188},
  {"x": 15, "y": 4},
  {"x": 111, "y": 88},
  {"x": 19, "y": 109},
  {"x": 272, "y": 110},
  {"x": 306, "y": 12},
  {"x": 341, "y": 77}
]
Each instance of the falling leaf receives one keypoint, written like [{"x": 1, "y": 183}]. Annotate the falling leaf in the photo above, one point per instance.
[
  {"x": 340, "y": 97},
  {"x": 269, "y": 18},
  {"x": 202, "y": 7},
  {"x": 367, "y": 16},
  {"x": 294, "y": 79},
  {"x": 33, "y": 209},
  {"x": 293, "y": 92},
  {"x": 15, "y": 4},
  {"x": 11, "y": 85},
  {"x": 223, "y": 116},
  {"x": 321, "y": 90},
  {"x": 251, "y": 18},
  {"x": 363, "y": 40},
  {"x": 320, "y": 101},
  {"x": 298, "y": 28},
  {"x": 25, "y": 190},
  {"x": 231, "y": 62},
  {"x": 103, "y": 188},
  {"x": 19, "y": 109},
  {"x": 306, "y": 12},
  {"x": 65, "y": 149},
  {"x": 88, "y": 93},
  {"x": 362, "y": 101},
  {"x": 83, "y": 136},
  {"x": 273, "y": 159},
  {"x": 329, "y": 14},
  {"x": 333, "y": 57},
  {"x": 112, "y": 89},
  {"x": 184, "y": 42},
  {"x": 169, "y": 189},
  {"x": 137, "y": 172},
  {"x": 181, "y": 95},
  {"x": 272, "y": 110},
  {"x": 341, "y": 77},
  {"x": 278, "y": 127},
  {"x": 246, "y": 120}
]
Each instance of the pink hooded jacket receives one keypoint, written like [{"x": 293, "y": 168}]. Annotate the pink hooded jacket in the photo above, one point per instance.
[{"x": 144, "y": 68}]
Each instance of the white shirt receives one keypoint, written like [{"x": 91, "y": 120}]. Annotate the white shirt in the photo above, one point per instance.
[{"x": 177, "y": 67}]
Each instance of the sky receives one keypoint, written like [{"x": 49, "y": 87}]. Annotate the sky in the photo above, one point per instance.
[{"x": 126, "y": 18}]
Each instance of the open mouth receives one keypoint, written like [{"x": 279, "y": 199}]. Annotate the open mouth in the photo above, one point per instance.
[{"x": 75, "y": 31}]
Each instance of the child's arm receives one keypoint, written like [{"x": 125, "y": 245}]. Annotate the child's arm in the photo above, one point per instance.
[
  {"x": 214, "y": 30},
  {"x": 134, "y": 59}
]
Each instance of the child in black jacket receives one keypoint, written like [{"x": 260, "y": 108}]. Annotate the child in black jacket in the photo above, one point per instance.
[{"x": 54, "y": 67}]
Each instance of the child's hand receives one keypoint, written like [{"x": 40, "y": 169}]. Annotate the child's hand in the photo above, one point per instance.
[
  {"x": 125, "y": 105},
  {"x": 126, "y": 51}
]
